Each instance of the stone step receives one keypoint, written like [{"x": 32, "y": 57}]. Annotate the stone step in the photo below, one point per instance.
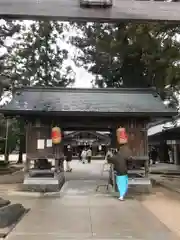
[
  {"x": 10, "y": 214},
  {"x": 4, "y": 202}
]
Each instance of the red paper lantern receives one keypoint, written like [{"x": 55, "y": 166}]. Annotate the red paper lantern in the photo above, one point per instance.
[
  {"x": 56, "y": 135},
  {"x": 121, "y": 135}
]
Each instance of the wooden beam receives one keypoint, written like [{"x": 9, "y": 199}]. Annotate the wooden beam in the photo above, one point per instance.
[{"x": 68, "y": 10}]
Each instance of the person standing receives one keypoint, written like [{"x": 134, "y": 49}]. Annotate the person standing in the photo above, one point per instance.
[
  {"x": 119, "y": 160},
  {"x": 89, "y": 155},
  {"x": 108, "y": 154},
  {"x": 154, "y": 155},
  {"x": 79, "y": 154},
  {"x": 68, "y": 159},
  {"x": 170, "y": 152},
  {"x": 83, "y": 156}
]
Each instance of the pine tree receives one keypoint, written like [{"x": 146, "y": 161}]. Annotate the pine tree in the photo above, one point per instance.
[
  {"x": 8, "y": 29},
  {"x": 131, "y": 55},
  {"x": 38, "y": 57}
]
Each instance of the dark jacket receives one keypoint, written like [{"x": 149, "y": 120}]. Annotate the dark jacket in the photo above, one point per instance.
[
  {"x": 69, "y": 156},
  {"x": 119, "y": 160},
  {"x": 154, "y": 154}
]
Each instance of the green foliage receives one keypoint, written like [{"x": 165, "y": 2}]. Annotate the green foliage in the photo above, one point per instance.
[
  {"x": 130, "y": 55},
  {"x": 38, "y": 57},
  {"x": 8, "y": 29},
  {"x": 34, "y": 56}
]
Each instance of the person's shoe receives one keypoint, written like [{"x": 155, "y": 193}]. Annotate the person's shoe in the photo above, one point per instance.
[{"x": 121, "y": 198}]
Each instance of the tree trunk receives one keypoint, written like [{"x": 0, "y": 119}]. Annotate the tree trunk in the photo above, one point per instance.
[{"x": 22, "y": 143}]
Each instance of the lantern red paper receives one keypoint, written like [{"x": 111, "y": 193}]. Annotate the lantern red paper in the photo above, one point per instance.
[
  {"x": 56, "y": 135},
  {"x": 122, "y": 136}
]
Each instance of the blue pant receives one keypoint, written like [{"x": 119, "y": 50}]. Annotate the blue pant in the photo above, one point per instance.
[{"x": 122, "y": 184}]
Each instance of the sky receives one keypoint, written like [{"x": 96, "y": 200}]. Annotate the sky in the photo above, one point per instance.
[{"x": 83, "y": 78}]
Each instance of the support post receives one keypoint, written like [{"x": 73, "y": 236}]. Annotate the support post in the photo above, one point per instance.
[
  {"x": 175, "y": 153},
  {"x": 113, "y": 143},
  {"x": 6, "y": 142},
  {"x": 26, "y": 162},
  {"x": 146, "y": 166}
]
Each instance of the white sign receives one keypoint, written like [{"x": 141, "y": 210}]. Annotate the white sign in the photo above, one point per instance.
[
  {"x": 40, "y": 144},
  {"x": 49, "y": 143}
]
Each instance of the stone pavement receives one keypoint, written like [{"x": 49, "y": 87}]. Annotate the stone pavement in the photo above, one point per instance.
[
  {"x": 78, "y": 213},
  {"x": 164, "y": 168},
  {"x": 165, "y": 205},
  {"x": 166, "y": 175}
]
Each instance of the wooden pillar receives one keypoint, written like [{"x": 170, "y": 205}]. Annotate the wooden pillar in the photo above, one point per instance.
[
  {"x": 175, "y": 150},
  {"x": 113, "y": 138},
  {"x": 59, "y": 157},
  {"x": 27, "y": 165},
  {"x": 27, "y": 161},
  {"x": 6, "y": 153},
  {"x": 56, "y": 150}
]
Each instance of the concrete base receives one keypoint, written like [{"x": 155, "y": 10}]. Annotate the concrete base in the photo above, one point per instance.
[
  {"x": 43, "y": 184},
  {"x": 139, "y": 185},
  {"x": 139, "y": 181},
  {"x": 39, "y": 173}
]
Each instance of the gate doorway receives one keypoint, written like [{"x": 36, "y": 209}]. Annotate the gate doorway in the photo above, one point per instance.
[{"x": 80, "y": 110}]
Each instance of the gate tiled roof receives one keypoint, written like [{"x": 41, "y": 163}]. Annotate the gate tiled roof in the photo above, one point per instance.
[{"x": 102, "y": 101}]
